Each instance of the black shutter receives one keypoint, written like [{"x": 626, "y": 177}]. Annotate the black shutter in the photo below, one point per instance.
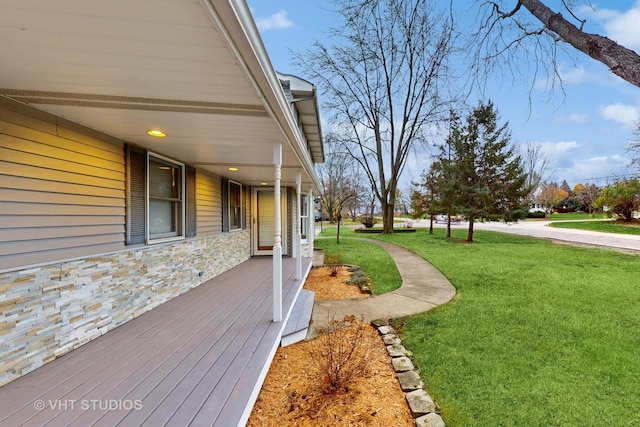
[
  {"x": 225, "y": 205},
  {"x": 245, "y": 205},
  {"x": 136, "y": 195},
  {"x": 190, "y": 190}
]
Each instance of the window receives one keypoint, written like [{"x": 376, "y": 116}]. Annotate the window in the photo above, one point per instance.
[
  {"x": 160, "y": 198},
  {"x": 233, "y": 202},
  {"x": 165, "y": 199},
  {"x": 304, "y": 216},
  {"x": 235, "y": 206}
]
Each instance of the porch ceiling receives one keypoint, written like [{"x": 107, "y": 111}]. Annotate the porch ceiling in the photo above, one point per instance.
[{"x": 196, "y": 69}]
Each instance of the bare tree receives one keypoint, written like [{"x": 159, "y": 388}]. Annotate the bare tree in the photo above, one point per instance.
[
  {"x": 536, "y": 165},
  {"x": 384, "y": 81},
  {"x": 633, "y": 149},
  {"x": 337, "y": 175},
  {"x": 587, "y": 195},
  {"x": 505, "y": 27}
]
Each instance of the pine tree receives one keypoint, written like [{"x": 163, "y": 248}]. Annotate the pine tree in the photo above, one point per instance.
[{"x": 487, "y": 176}]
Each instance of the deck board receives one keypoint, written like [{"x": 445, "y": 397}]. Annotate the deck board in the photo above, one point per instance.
[{"x": 195, "y": 359}]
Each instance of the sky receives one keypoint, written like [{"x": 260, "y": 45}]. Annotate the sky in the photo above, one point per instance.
[{"x": 584, "y": 130}]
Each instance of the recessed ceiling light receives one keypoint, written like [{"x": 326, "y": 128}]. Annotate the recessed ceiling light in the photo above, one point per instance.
[
  {"x": 157, "y": 133},
  {"x": 263, "y": 183},
  {"x": 233, "y": 169}
]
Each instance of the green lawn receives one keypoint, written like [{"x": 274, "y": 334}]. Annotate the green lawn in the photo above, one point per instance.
[
  {"x": 371, "y": 258},
  {"x": 572, "y": 216},
  {"x": 603, "y": 226},
  {"x": 538, "y": 335}
]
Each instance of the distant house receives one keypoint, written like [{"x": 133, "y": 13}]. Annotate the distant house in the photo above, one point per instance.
[{"x": 145, "y": 147}]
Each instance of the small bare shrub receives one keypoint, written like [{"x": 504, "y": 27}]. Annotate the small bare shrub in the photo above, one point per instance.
[
  {"x": 368, "y": 220},
  {"x": 333, "y": 262},
  {"x": 342, "y": 355}
]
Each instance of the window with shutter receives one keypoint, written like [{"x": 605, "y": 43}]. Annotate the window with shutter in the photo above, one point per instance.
[{"x": 161, "y": 198}]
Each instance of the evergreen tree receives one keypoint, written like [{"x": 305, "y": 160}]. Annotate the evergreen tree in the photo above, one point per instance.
[{"x": 487, "y": 176}]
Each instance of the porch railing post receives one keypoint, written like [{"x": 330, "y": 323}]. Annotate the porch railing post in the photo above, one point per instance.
[
  {"x": 298, "y": 236},
  {"x": 277, "y": 238},
  {"x": 311, "y": 232}
]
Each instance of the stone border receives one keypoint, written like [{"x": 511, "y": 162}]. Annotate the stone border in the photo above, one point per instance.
[{"x": 423, "y": 409}]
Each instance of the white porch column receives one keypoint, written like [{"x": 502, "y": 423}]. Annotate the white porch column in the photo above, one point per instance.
[
  {"x": 311, "y": 228},
  {"x": 277, "y": 238},
  {"x": 297, "y": 251}
]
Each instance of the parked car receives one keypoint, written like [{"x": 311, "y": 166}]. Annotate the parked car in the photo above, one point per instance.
[{"x": 454, "y": 219}]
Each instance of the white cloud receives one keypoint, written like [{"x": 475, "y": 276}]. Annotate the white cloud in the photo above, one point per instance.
[
  {"x": 568, "y": 75},
  {"x": 277, "y": 21},
  {"x": 573, "y": 118},
  {"x": 571, "y": 162},
  {"x": 621, "y": 113},
  {"x": 558, "y": 148},
  {"x": 597, "y": 170},
  {"x": 620, "y": 26},
  {"x": 572, "y": 75}
]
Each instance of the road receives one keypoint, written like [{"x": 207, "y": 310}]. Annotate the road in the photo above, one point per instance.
[{"x": 541, "y": 230}]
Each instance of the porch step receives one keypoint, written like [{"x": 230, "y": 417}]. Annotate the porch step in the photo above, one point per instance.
[{"x": 298, "y": 323}]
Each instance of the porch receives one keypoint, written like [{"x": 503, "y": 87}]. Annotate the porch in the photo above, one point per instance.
[{"x": 198, "y": 359}]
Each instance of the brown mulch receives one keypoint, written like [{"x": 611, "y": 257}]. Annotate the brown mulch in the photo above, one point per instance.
[
  {"x": 329, "y": 287},
  {"x": 295, "y": 394}
]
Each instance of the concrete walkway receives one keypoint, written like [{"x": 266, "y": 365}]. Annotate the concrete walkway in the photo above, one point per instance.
[{"x": 423, "y": 287}]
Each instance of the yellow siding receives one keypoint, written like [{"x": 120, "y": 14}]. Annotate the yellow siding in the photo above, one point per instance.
[
  {"x": 208, "y": 203},
  {"x": 62, "y": 189}
]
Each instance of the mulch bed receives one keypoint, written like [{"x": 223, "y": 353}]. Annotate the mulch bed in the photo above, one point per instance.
[{"x": 294, "y": 392}]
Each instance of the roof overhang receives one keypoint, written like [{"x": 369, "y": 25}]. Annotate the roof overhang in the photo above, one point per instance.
[
  {"x": 196, "y": 69},
  {"x": 305, "y": 97}
]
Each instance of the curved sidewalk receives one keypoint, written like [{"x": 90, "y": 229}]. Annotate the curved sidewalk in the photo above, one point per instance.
[{"x": 423, "y": 288}]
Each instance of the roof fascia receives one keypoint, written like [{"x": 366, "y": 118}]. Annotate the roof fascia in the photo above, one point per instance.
[{"x": 257, "y": 66}]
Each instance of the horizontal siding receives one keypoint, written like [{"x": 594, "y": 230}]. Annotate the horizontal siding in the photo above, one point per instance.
[
  {"x": 208, "y": 203},
  {"x": 45, "y": 162},
  {"x": 62, "y": 189},
  {"x": 10, "y": 208},
  {"x": 23, "y": 234},
  {"x": 54, "y": 244},
  {"x": 16, "y": 221}
]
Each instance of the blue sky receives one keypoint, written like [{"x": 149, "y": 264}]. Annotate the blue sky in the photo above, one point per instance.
[{"x": 585, "y": 130}]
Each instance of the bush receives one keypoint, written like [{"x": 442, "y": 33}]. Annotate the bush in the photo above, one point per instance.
[
  {"x": 360, "y": 279},
  {"x": 536, "y": 215},
  {"x": 368, "y": 220},
  {"x": 333, "y": 262},
  {"x": 342, "y": 357}
]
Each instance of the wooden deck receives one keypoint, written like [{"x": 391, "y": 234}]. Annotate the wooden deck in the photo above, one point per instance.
[{"x": 198, "y": 359}]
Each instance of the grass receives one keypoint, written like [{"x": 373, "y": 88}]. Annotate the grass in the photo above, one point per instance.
[
  {"x": 602, "y": 226},
  {"x": 538, "y": 335},
  {"x": 371, "y": 258},
  {"x": 573, "y": 216}
]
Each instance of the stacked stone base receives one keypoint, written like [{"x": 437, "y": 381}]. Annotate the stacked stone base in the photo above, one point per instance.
[{"x": 422, "y": 406}]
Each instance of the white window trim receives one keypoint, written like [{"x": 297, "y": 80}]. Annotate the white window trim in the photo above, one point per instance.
[
  {"x": 303, "y": 207},
  {"x": 181, "y": 232}
]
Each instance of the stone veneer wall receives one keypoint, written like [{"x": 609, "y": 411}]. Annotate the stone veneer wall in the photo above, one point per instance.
[{"x": 49, "y": 310}]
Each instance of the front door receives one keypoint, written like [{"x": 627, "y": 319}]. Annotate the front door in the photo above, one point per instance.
[{"x": 263, "y": 220}]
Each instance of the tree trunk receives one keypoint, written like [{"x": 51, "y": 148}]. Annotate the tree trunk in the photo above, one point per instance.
[
  {"x": 470, "y": 230},
  {"x": 387, "y": 218},
  {"x": 623, "y": 62},
  {"x": 431, "y": 223}
]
